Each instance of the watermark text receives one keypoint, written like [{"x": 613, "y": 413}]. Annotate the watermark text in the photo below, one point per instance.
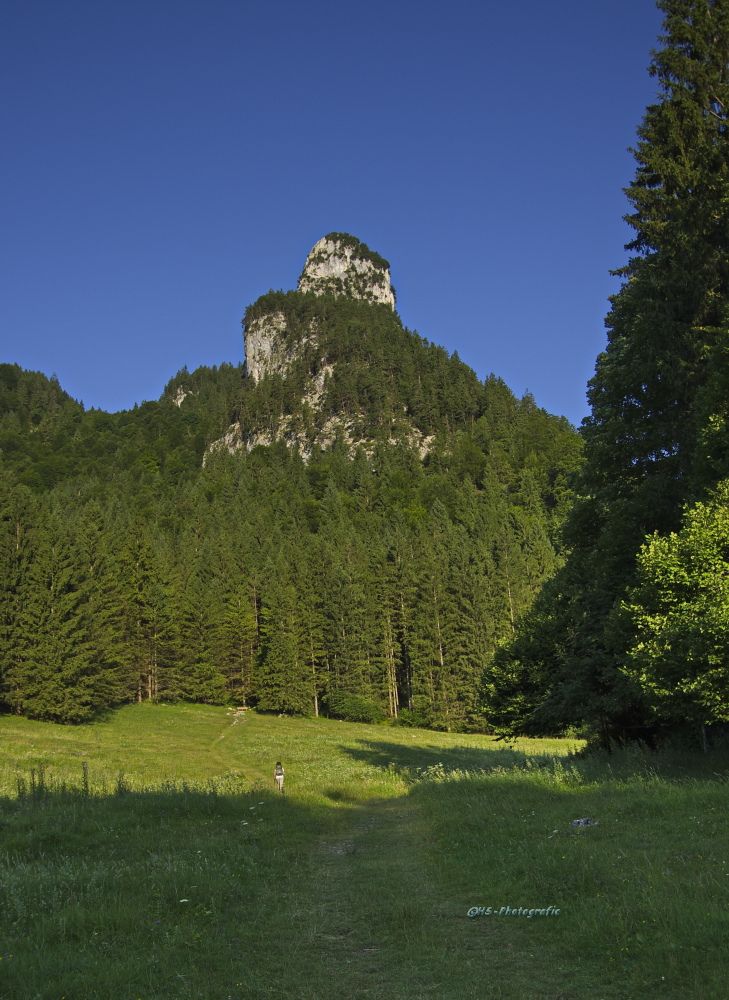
[{"x": 508, "y": 911}]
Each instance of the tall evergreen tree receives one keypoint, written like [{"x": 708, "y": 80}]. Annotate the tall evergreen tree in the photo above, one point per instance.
[
  {"x": 148, "y": 617},
  {"x": 658, "y": 433},
  {"x": 284, "y": 682},
  {"x": 17, "y": 520},
  {"x": 238, "y": 640},
  {"x": 56, "y": 672}
]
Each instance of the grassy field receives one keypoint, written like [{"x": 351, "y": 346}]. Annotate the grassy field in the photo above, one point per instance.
[{"x": 149, "y": 857}]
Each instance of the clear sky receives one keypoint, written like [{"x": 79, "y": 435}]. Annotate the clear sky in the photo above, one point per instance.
[{"x": 165, "y": 162}]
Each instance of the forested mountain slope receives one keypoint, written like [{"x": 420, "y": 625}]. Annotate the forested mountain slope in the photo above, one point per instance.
[
  {"x": 348, "y": 525},
  {"x": 47, "y": 437}
]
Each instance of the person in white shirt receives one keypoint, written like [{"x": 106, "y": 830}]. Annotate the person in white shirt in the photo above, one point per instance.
[{"x": 278, "y": 775}]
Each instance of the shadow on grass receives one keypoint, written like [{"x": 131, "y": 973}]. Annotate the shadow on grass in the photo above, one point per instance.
[
  {"x": 173, "y": 893},
  {"x": 423, "y": 761},
  {"x": 177, "y": 892},
  {"x": 53, "y": 820},
  {"x": 342, "y": 795},
  {"x": 418, "y": 759}
]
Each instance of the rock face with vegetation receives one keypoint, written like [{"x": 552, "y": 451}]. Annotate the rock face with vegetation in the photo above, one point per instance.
[
  {"x": 266, "y": 347},
  {"x": 300, "y": 344},
  {"x": 340, "y": 265}
]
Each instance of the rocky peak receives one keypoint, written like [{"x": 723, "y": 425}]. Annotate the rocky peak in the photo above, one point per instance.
[
  {"x": 276, "y": 335},
  {"x": 339, "y": 264}
]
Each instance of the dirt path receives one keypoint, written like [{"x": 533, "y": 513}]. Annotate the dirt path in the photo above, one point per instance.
[{"x": 376, "y": 925}]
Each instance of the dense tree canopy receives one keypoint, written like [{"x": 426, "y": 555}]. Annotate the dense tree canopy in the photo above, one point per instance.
[{"x": 680, "y": 611}]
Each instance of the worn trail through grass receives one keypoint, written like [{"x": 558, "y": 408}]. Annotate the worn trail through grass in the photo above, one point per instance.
[
  {"x": 372, "y": 908},
  {"x": 374, "y": 918}
]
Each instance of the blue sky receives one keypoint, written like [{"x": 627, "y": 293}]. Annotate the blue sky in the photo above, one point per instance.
[{"x": 166, "y": 162}]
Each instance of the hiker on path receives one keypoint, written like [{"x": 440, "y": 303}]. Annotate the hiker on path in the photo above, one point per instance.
[{"x": 278, "y": 775}]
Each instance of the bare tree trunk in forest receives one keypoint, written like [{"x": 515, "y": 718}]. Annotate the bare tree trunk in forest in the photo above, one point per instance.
[
  {"x": 406, "y": 654},
  {"x": 154, "y": 684},
  {"x": 313, "y": 678},
  {"x": 255, "y": 607},
  {"x": 442, "y": 670},
  {"x": 392, "y": 696}
]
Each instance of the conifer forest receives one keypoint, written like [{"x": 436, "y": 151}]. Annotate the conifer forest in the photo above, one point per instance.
[{"x": 364, "y": 583}]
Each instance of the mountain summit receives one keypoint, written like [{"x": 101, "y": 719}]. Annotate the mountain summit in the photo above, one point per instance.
[
  {"x": 331, "y": 364},
  {"x": 332, "y": 360},
  {"x": 339, "y": 264}
]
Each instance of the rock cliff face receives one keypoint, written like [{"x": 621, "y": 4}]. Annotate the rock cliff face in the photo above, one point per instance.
[
  {"x": 265, "y": 343},
  {"x": 340, "y": 265}
]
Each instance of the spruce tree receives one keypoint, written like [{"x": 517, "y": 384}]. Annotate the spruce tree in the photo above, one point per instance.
[
  {"x": 283, "y": 682},
  {"x": 238, "y": 639},
  {"x": 55, "y": 671},
  {"x": 17, "y": 521},
  {"x": 657, "y": 435},
  {"x": 149, "y": 625}
]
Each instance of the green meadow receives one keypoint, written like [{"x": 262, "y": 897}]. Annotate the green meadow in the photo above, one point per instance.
[{"x": 149, "y": 856}]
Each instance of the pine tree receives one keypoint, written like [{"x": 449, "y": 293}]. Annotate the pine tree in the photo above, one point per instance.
[
  {"x": 17, "y": 521},
  {"x": 93, "y": 537},
  {"x": 238, "y": 632},
  {"x": 198, "y": 669},
  {"x": 283, "y": 681},
  {"x": 148, "y": 617}
]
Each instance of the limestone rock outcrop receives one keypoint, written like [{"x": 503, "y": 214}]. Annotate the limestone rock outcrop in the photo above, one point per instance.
[
  {"x": 265, "y": 344},
  {"x": 340, "y": 265}
]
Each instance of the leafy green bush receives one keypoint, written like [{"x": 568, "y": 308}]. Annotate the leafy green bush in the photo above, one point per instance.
[
  {"x": 411, "y": 718},
  {"x": 355, "y": 708}
]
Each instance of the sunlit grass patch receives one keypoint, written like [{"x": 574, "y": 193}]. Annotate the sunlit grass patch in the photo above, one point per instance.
[{"x": 149, "y": 745}]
